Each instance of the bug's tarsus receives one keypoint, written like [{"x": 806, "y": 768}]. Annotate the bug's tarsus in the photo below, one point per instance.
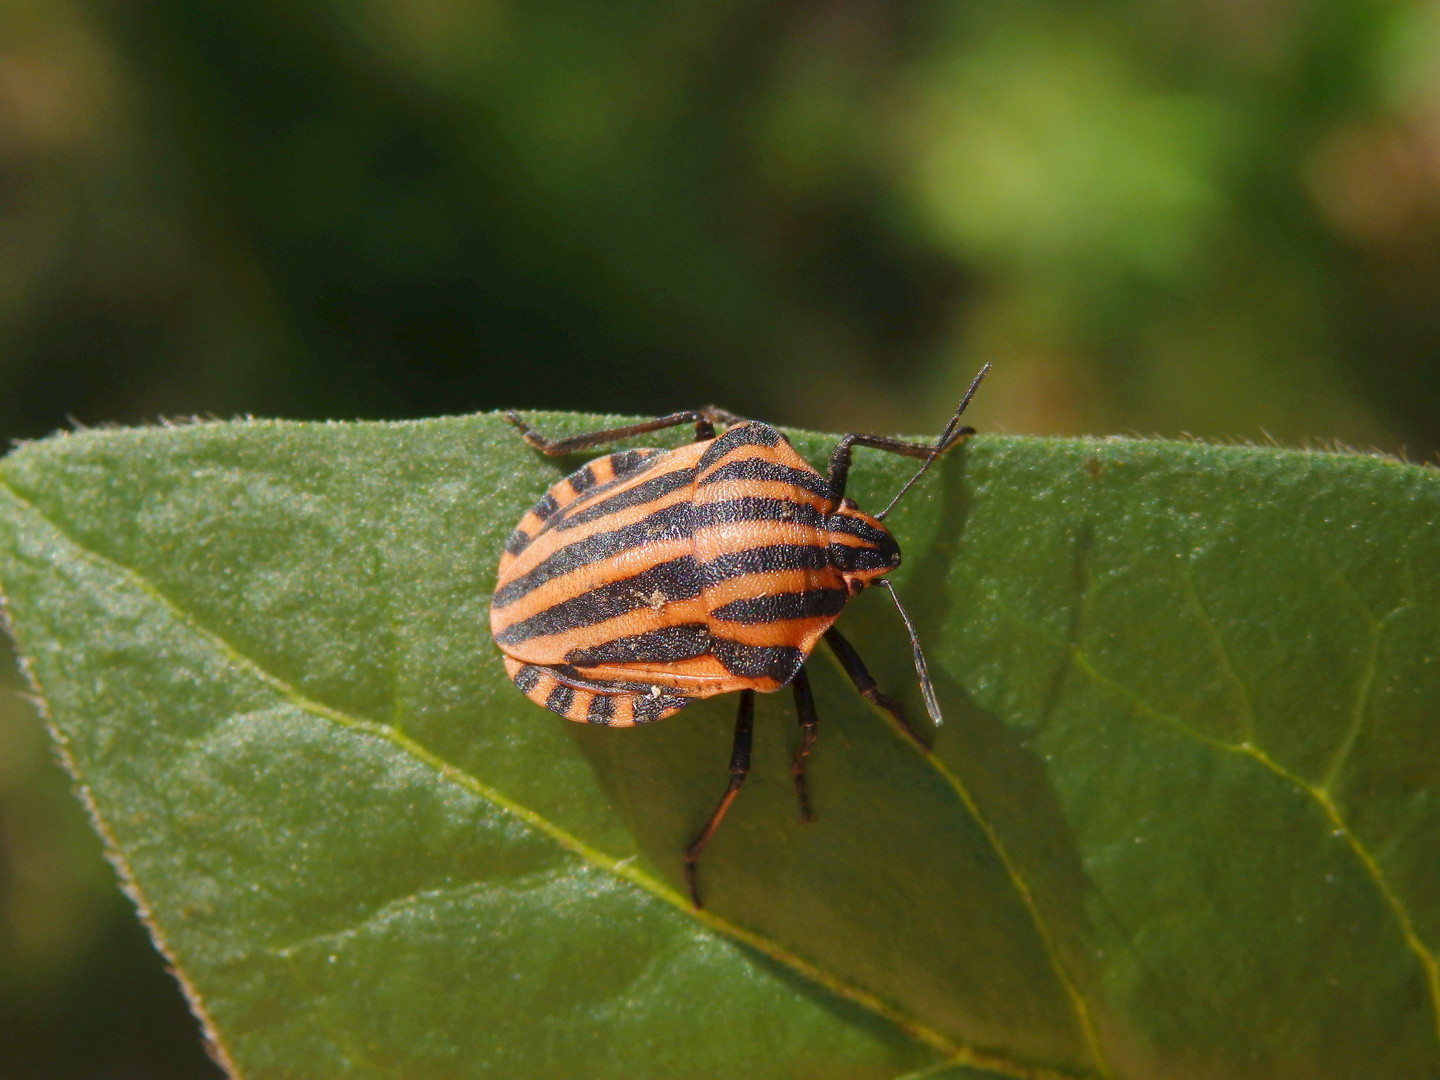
[
  {"x": 927, "y": 688},
  {"x": 805, "y": 710},
  {"x": 865, "y": 684},
  {"x": 704, "y": 419},
  {"x": 951, "y": 435},
  {"x": 717, "y": 415},
  {"x": 739, "y": 767}
]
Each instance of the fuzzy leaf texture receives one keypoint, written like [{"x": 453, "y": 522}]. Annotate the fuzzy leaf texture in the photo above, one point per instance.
[{"x": 1181, "y": 821}]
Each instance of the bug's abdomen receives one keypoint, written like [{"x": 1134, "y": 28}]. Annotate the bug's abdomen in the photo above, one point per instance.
[
  {"x": 609, "y": 703},
  {"x": 658, "y": 578},
  {"x": 758, "y": 525},
  {"x": 605, "y": 574}
]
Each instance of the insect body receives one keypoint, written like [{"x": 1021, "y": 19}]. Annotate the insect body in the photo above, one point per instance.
[{"x": 648, "y": 579}]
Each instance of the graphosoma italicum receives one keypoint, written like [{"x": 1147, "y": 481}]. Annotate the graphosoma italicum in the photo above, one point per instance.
[{"x": 648, "y": 579}]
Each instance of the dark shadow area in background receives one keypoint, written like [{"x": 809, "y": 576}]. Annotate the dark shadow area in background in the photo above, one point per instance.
[
  {"x": 391, "y": 257},
  {"x": 111, "y": 1011},
  {"x": 117, "y": 1015}
]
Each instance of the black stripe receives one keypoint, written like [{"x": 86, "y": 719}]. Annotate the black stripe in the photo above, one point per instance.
[
  {"x": 764, "y": 560},
  {"x": 625, "y": 462},
  {"x": 560, "y": 699},
  {"x": 648, "y": 707},
  {"x": 750, "y": 433},
  {"x": 517, "y": 541},
  {"x": 667, "y": 523},
  {"x": 545, "y": 507},
  {"x": 641, "y": 493},
  {"x": 654, "y": 647},
  {"x": 810, "y": 604},
  {"x": 760, "y": 469},
  {"x": 601, "y": 711},
  {"x": 778, "y": 662},
  {"x": 582, "y": 480},
  {"x": 848, "y": 559},
  {"x": 678, "y": 579},
  {"x": 593, "y": 493},
  {"x": 527, "y": 677},
  {"x": 844, "y": 523},
  {"x": 750, "y": 508}
]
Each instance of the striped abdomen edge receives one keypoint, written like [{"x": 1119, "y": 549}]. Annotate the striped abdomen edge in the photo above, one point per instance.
[{"x": 608, "y": 704}]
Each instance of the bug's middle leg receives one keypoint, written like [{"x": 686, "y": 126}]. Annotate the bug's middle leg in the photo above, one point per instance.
[
  {"x": 865, "y": 683},
  {"x": 805, "y": 710},
  {"x": 739, "y": 767}
]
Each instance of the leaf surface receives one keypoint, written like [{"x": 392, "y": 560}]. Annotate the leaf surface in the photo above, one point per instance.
[{"x": 1181, "y": 820}]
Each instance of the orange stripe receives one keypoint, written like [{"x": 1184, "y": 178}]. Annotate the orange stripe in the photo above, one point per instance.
[
  {"x": 581, "y": 580},
  {"x": 781, "y": 454},
  {"x": 579, "y": 710},
  {"x": 553, "y": 648},
  {"x": 553, "y": 540},
  {"x": 763, "y": 489},
  {"x": 751, "y": 586},
  {"x": 742, "y": 536},
  {"x": 795, "y": 632}
]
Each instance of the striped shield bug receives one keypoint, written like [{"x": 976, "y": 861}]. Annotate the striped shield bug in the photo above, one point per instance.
[{"x": 648, "y": 579}]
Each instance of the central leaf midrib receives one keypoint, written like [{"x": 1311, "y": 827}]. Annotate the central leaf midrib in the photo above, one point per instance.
[{"x": 956, "y": 1052}]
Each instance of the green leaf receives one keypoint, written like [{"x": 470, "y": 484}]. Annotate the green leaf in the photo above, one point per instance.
[{"x": 1182, "y": 819}]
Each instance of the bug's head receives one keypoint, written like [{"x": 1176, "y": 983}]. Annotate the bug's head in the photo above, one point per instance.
[{"x": 860, "y": 547}]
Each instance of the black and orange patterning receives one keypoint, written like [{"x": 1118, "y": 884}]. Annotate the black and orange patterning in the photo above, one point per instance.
[{"x": 648, "y": 579}]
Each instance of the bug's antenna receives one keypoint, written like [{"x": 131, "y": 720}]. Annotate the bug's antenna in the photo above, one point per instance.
[
  {"x": 932, "y": 706},
  {"x": 941, "y": 444}
]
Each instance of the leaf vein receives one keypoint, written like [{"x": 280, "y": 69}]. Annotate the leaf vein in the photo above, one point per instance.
[
  {"x": 956, "y": 1052},
  {"x": 1222, "y": 650},
  {"x": 1360, "y": 708},
  {"x": 1037, "y": 918},
  {"x": 1430, "y": 966}
]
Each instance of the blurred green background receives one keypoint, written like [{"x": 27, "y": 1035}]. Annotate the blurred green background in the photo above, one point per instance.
[{"x": 1219, "y": 217}]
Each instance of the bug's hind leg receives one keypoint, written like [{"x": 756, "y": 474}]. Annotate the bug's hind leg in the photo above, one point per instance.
[
  {"x": 860, "y": 676},
  {"x": 704, "y": 419},
  {"x": 805, "y": 710},
  {"x": 739, "y": 767}
]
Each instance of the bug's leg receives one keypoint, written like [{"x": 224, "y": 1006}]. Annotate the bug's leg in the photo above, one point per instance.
[
  {"x": 704, "y": 420},
  {"x": 838, "y": 471},
  {"x": 717, "y": 415},
  {"x": 805, "y": 710},
  {"x": 739, "y": 766},
  {"x": 855, "y": 668}
]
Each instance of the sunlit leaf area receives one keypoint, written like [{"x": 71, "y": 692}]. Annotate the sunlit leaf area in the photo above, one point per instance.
[{"x": 1180, "y": 820}]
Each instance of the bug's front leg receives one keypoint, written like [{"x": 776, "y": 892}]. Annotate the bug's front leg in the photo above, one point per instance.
[
  {"x": 838, "y": 471},
  {"x": 805, "y": 710},
  {"x": 739, "y": 767}
]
